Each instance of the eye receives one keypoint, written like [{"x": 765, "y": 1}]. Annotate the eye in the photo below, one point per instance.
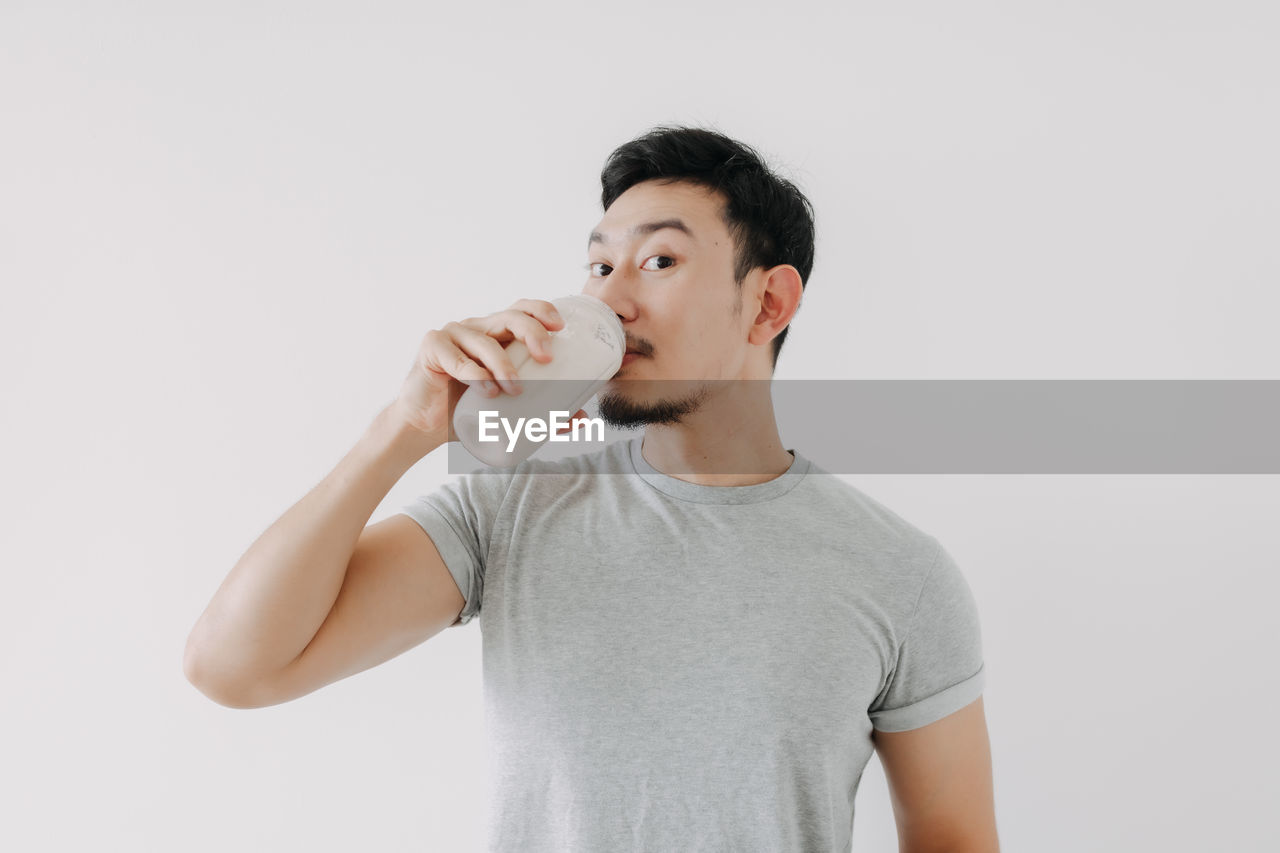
[
  {"x": 590, "y": 267},
  {"x": 661, "y": 257}
]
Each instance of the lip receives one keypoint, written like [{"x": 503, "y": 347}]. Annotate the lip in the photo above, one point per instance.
[{"x": 630, "y": 357}]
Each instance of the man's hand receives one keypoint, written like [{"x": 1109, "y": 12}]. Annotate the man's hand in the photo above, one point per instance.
[{"x": 468, "y": 352}]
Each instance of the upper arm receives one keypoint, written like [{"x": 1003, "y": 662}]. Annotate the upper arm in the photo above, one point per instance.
[
  {"x": 397, "y": 593},
  {"x": 940, "y": 782}
]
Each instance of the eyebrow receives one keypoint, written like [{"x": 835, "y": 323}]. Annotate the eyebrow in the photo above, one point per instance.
[{"x": 645, "y": 228}]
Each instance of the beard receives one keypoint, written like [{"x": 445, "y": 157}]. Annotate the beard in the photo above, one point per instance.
[{"x": 622, "y": 412}]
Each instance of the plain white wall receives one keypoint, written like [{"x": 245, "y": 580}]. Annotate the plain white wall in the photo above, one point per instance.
[{"x": 225, "y": 227}]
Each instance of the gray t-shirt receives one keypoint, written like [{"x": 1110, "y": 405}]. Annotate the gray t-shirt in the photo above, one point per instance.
[{"x": 675, "y": 667}]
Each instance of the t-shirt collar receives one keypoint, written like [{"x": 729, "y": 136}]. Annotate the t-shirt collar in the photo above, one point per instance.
[{"x": 685, "y": 490}]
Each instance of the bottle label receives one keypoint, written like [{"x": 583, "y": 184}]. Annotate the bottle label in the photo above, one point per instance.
[{"x": 602, "y": 335}]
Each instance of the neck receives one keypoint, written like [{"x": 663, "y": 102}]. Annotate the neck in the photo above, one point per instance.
[{"x": 731, "y": 440}]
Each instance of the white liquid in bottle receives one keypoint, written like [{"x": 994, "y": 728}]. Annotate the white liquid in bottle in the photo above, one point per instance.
[{"x": 585, "y": 355}]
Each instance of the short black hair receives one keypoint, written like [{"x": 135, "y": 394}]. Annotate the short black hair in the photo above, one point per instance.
[{"x": 768, "y": 217}]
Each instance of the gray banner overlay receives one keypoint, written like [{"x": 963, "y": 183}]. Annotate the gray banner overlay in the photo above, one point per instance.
[{"x": 973, "y": 426}]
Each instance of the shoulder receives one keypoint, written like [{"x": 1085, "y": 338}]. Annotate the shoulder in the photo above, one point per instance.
[{"x": 872, "y": 524}]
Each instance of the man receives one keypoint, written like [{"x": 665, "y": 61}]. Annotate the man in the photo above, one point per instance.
[{"x": 698, "y": 653}]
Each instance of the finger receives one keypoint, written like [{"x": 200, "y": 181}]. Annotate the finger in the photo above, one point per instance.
[
  {"x": 493, "y": 355},
  {"x": 439, "y": 354},
  {"x": 486, "y": 352},
  {"x": 542, "y": 309},
  {"x": 510, "y": 324},
  {"x": 533, "y": 331}
]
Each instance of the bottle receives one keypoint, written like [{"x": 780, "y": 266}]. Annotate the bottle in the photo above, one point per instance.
[{"x": 585, "y": 355}]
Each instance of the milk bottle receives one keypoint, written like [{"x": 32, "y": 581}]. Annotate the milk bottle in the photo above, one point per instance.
[{"x": 586, "y": 353}]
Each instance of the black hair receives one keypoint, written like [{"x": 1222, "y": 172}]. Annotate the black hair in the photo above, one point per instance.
[{"x": 768, "y": 217}]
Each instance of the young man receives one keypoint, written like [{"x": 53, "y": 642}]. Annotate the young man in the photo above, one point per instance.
[{"x": 699, "y": 652}]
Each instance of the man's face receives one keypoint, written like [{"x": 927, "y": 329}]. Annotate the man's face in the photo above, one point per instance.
[{"x": 674, "y": 293}]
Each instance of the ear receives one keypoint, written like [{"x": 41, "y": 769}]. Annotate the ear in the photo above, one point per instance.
[{"x": 778, "y": 298}]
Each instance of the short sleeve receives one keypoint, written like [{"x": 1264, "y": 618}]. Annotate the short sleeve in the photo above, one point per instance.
[
  {"x": 939, "y": 667},
  {"x": 459, "y": 517}
]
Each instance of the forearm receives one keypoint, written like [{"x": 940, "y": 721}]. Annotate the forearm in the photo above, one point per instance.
[{"x": 281, "y": 590}]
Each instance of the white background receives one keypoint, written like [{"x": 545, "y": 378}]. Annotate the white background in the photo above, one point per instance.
[{"x": 224, "y": 229}]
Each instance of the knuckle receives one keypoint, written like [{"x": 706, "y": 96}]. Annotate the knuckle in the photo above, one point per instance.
[{"x": 533, "y": 307}]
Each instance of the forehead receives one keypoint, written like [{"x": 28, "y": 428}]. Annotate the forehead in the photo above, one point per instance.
[{"x": 652, "y": 202}]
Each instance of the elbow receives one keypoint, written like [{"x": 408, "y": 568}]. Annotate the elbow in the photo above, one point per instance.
[
  {"x": 223, "y": 697},
  {"x": 197, "y": 675}
]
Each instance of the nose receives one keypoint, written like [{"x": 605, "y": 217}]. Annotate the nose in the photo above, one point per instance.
[{"x": 614, "y": 291}]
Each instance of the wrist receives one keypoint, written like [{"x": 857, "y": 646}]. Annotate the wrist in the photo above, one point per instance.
[{"x": 400, "y": 439}]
